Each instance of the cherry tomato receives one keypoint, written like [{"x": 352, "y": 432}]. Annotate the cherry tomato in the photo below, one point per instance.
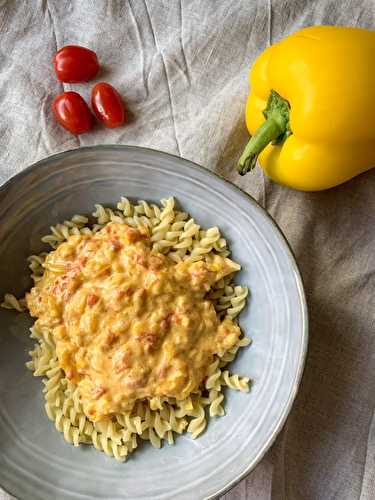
[
  {"x": 72, "y": 112},
  {"x": 75, "y": 64},
  {"x": 107, "y": 105}
]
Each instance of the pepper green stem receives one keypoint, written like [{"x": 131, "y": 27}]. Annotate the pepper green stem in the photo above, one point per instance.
[{"x": 274, "y": 130}]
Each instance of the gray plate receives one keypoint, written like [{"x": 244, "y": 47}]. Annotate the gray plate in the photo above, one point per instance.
[{"x": 35, "y": 462}]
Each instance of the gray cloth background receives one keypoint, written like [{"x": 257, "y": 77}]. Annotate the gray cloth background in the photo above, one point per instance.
[{"x": 182, "y": 69}]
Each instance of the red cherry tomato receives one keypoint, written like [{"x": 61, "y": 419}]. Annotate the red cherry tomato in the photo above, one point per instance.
[
  {"x": 107, "y": 105},
  {"x": 72, "y": 112},
  {"x": 75, "y": 64}
]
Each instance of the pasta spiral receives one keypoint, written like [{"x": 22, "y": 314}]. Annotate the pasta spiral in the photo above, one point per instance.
[
  {"x": 235, "y": 381},
  {"x": 216, "y": 408},
  {"x": 198, "y": 424},
  {"x": 11, "y": 302}
]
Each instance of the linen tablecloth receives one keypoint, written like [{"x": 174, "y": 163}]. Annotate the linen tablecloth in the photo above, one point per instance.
[{"x": 182, "y": 69}]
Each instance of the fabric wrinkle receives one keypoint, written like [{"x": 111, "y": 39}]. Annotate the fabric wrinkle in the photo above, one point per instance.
[
  {"x": 142, "y": 55},
  {"x": 170, "y": 98},
  {"x": 185, "y": 70}
]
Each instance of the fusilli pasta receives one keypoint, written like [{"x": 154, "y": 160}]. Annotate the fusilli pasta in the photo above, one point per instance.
[{"x": 174, "y": 233}]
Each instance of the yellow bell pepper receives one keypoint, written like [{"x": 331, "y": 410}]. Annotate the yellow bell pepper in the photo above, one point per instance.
[{"x": 311, "y": 111}]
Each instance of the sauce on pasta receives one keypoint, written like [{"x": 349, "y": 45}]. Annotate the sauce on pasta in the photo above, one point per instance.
[{"x": 130, "y": 323}]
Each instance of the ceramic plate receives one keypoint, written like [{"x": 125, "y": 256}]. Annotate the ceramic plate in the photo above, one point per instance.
[{"x": 35, "y": 461}]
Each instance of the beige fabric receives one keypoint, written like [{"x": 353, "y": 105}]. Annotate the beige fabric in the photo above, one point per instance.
[{"x": 182, "y": 68}]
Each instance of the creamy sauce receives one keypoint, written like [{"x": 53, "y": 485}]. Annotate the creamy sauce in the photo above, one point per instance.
[{"x": 128, "y": 323}]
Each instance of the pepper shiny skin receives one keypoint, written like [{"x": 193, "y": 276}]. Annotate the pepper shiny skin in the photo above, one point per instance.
[{"x": 317, "y": 89}]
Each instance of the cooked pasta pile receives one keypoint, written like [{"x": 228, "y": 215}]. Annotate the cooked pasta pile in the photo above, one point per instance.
[{"x": 175, "y": 234}]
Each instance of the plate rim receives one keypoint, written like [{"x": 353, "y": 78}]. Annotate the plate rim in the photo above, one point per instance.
[{"x": 291, "y": 257}]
